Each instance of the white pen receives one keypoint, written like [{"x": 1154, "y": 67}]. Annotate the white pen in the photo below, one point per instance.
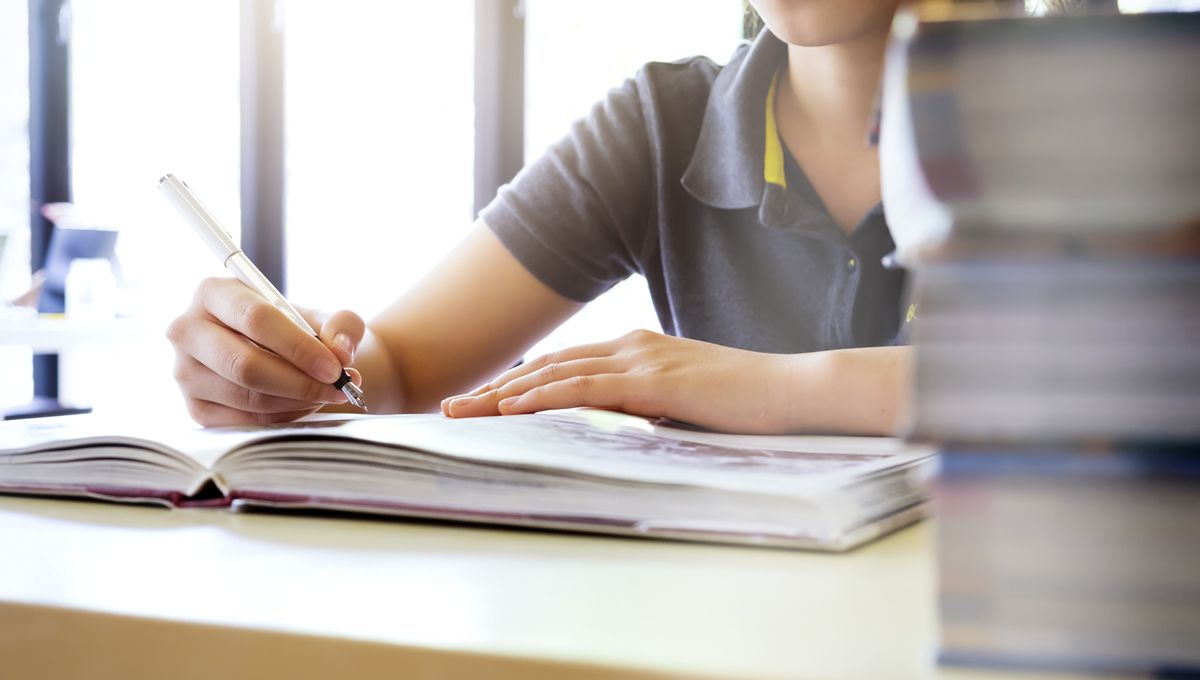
[{"x": 218, "y": 240}]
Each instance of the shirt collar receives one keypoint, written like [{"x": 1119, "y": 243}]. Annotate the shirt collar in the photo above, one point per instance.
[
  {"x": 739, "y": 161},
  {"x": 774, "y": 170},
  {"x": 727, "y": 167}
]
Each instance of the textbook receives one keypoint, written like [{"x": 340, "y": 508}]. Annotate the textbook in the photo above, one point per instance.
[
  {"x": 1054, "y": 326},
  {"x": 1058, "y": 300},
  {"x": 1063, "y": 350},
  {"x": 1068, "y": 559},
  {"x": 578, "y": 470}
]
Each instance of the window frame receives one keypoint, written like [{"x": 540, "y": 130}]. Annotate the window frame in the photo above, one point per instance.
[
  {"x": 49, "y": 145},
  {"x": 499, "y": 126}
]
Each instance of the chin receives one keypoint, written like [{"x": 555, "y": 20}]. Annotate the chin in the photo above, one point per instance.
[{"x": 811, "y": 23}]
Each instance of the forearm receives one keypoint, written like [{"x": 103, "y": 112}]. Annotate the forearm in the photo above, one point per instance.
[
  {"x": 467, "y": 320},
  {"x": 409, "y": 373},
  {"x": 849, "y": 391},
  {"x": 413, "y": 364}
]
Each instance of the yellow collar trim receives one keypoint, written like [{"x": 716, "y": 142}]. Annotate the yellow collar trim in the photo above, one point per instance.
[{"x": 773, "y": 171}]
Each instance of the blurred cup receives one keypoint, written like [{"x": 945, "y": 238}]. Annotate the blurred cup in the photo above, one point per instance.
[{"x": 90, "y": 290}]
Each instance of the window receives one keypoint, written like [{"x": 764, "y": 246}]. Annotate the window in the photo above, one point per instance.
[
  {"x": 17, "y": 385},
  {"x": 380, "y": 145},
  {"x": 154, "y": 89},
  {"x": 379, "y": 108},
  {"x": 1137, "y": 6},
  {"x": 576, "y": 50}
]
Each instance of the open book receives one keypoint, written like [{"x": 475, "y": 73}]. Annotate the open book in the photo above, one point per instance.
[{"x": 580, "y": 470}]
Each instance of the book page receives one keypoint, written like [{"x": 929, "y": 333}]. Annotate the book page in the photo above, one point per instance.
[
  {"x": 179, "y": 441},
  {"x": 617, "y": 446}
]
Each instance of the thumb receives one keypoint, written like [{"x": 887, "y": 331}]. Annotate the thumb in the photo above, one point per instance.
[{"x": 341, "y": 332}]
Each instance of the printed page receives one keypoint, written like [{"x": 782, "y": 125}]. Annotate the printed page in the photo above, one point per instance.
[{"x": 617, "y": 446}]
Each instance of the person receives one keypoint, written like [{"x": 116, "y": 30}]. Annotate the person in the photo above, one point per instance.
[{"x": 746, "y": 195}]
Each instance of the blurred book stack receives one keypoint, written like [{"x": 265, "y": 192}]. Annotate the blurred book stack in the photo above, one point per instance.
[
  {"x": 1057, "y": 349},
  {"x": 1067, "y": 560},
  {"x": 1056, "y": 326}
]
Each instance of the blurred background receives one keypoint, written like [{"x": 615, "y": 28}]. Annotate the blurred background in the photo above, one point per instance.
[{"x": 364, "y": 131}]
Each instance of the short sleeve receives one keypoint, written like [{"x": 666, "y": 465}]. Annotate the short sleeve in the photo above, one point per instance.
[{"x": 576, "y": 218}]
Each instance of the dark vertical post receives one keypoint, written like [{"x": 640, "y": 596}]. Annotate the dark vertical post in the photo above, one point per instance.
[
  {"x": 49, "y": 144},
  {"x": 262, "y": 104},
  {"x": 499, "y": 95}
]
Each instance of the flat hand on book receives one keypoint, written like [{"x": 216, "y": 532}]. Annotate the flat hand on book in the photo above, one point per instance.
[
  {"x": 646, "y": 374},
  {"x": 240, "y": 361}
]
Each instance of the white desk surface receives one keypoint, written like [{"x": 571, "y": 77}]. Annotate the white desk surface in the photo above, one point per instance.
[
  {"x": 97, "y": 590},
  {"x": 56, "y": 334}
]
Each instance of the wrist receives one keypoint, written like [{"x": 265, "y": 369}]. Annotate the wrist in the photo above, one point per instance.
[
  {"x": 801, "y": 390},
  {"x": 848, "y": 391}
]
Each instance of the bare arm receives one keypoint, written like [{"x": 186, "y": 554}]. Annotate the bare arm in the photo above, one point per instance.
[
  {"x": 849, "y": 391},
  {"x": 238, "y": 360},
  {"x": 470, "y": 318},
  {"x": 852, "y": 391}
]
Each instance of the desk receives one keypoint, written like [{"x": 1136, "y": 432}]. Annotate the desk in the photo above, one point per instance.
[
  {"x": 55, "y": 334},
  {"x": 96, "y": 590},
  {"x": 94, "y": 361}
]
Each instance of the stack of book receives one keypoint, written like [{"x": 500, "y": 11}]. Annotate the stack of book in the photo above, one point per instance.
[
  {"x": 1057, "y": 349},
  {"x": 1057, "y": 331},
  {"x": 1070, "y": 560}
]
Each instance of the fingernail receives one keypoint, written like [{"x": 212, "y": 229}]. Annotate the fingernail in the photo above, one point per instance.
[
  {"x": 508, "y": 403},
  {"x": 342, "y": 342},
  {"x": 459, "y": 403},
  {"x": 327, "y": 370}
]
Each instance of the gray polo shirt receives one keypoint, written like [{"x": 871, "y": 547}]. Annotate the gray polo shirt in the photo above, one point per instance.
[{"x": 666, "y": 177}]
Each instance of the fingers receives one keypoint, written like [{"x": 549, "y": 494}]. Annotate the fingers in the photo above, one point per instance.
[
  {"x": 341, "y": 332},
  {"x": 244, "y": 311},
  {"x": 599, "y": 349},
  {"x": 486, "y": 404},
  {"x": 638, "y": 372},
  {"x": 600, "y": 391},
  {"x": 204, "y": 384},
  {"x": 242, "y": 363},
  {"x": 210, "y": 414}
]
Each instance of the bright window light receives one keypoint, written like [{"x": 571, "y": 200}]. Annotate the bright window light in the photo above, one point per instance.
[
  {"x": 154, "y": 89},
  {"x": 380, "y": 145},
  {"x": 15, "y": 362},
  {"x": 1139, "y": 6}
]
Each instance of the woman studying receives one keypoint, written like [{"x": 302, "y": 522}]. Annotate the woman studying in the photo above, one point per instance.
[{"x": 746, "y": 195}]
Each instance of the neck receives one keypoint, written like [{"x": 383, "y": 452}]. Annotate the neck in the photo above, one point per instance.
[{"x": 832, "y": 87}]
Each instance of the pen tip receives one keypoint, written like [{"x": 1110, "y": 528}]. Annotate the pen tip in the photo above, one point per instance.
[{"x": 354, "y": 393}]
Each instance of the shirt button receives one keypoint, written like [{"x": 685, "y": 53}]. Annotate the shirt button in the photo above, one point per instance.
[{"x": 852, "y": 263}]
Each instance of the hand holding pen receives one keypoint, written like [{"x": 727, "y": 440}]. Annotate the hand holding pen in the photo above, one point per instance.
[{"x": 244, "y": 355}]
